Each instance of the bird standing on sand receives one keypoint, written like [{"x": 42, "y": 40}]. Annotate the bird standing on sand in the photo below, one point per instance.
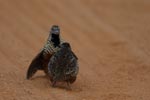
[{"x": 40, "y": 62}]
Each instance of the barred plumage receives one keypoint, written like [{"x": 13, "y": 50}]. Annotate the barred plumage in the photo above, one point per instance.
[
  {"x": 63, "y": 65},
  {"x": 49, "y": 48}
]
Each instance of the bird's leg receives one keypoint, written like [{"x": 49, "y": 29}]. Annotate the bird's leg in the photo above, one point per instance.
[
  {"x": 53, "y": 83},
  {"x": 68, "y": 86}
]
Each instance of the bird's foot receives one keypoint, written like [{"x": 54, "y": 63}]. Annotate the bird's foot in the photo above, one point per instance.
[{"x": 68, "y": 86}]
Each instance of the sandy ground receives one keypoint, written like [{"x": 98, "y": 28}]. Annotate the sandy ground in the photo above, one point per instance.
[{"x": 110, "y": 37}]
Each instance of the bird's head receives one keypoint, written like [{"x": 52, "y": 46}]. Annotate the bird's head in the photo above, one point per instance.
[
  {"x": 55, "y": 35},
  {"x": 55, "y": 30}
]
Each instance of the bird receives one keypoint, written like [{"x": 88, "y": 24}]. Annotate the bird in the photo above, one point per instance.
[
  {"x": 40, "y": 61},
  {"x": 63, "y": 66}
]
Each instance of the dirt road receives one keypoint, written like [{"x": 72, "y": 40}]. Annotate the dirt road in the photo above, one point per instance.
[{"x": 110, "y": 37}]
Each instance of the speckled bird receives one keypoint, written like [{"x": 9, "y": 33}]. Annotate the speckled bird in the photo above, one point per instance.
[
  {"x": 40, "y": 62},
  {"x": 63, "y": 65}
]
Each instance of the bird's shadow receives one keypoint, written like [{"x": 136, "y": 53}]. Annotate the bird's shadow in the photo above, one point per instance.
[
  {"x": 39, "y": 77},
  {"x": 59, "y": 85}
]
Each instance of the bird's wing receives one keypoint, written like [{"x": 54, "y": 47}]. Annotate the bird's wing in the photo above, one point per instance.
[{"x": 36, "y": 64}]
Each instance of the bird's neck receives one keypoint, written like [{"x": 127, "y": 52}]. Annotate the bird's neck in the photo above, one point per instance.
[{"x": 55, "y": 39}]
